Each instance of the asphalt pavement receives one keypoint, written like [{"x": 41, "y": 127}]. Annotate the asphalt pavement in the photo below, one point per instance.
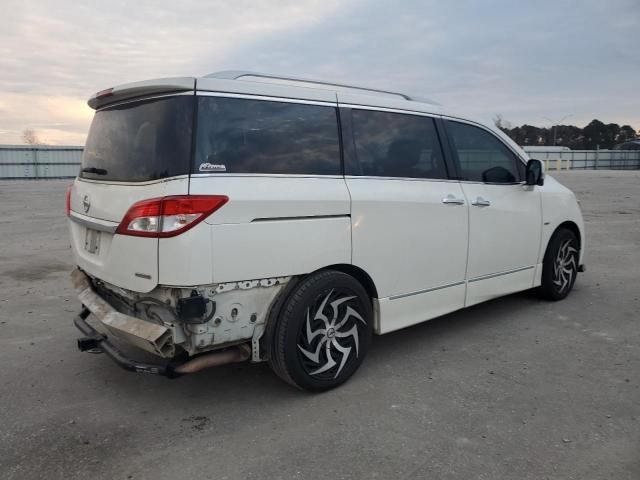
[{"x": 516, "y": 388}]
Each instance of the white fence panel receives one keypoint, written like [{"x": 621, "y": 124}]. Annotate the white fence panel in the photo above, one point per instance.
[
  {"x": 39, "y": 161},
  {"x": 587, "y": 159},
  {"x": 44, "y": 161}
]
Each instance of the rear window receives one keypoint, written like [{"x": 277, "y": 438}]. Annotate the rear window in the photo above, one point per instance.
[
  {"x": 140, "y": 141},
  {"x": 257, "y": 136}
]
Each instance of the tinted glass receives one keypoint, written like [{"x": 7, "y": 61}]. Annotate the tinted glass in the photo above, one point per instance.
[
  {"x": 140, "y": 141},
  {"x": 396, "y": 145},
  {"x": 482, "y": 157},
  {"x": 255, "y": 136}
]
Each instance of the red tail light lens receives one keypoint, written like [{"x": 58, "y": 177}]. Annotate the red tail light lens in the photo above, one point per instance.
[
  {"x": 168, "y": 216},
  {"x": 68, "y": 199}
]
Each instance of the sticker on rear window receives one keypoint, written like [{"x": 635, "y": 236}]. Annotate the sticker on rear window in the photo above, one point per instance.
[{"x": 212, "y": 167}]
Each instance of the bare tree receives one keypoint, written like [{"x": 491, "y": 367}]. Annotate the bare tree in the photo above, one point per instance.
[
  {"x": 501, "y": 123},
  {"x": 30, "y": 137}
]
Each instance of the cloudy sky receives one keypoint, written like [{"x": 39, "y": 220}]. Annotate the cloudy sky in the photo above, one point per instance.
[{"x": 522, "y": 60}]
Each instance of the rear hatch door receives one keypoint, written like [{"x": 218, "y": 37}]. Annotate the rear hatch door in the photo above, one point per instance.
[{"x": 136, "y": 150}]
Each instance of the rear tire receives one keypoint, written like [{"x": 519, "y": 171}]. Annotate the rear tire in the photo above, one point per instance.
[
  {"x": 560, "y": 265},
  {"x": 323, "y": 331}
]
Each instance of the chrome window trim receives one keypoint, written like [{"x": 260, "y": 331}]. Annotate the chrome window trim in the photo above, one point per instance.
[
  {"x": 93, "y": 223},
  {"x": 133, "y": 184},
  {"x": 274, "y": 175}
]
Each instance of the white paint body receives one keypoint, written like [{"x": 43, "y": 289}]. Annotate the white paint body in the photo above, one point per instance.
[{"x": 425, "y": 258}]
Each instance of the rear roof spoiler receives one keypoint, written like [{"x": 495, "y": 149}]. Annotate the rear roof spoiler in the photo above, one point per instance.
[{"x": 139, "y": 89}]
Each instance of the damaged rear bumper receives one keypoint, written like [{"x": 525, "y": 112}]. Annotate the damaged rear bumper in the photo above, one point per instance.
[
  {"x": 95, "y": 342},
  {"x": 151, "y": 337}
]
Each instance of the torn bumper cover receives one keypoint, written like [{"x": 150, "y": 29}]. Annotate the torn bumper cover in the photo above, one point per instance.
[
  {"x": 153, "y": 338},
  {"x": 94, "y": 341},
  {"x": 148, "y": 336}
]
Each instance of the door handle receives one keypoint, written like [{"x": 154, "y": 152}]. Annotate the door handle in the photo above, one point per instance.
[
  {"x": 451, "y": 200},
  {"x": 480, "y": 202}
]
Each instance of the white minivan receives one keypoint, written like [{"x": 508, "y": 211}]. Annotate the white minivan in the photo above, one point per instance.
[{"x": 243, "y": 216}]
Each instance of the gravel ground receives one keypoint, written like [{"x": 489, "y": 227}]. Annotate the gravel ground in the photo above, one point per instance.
[{"x": 516, "y": 388}]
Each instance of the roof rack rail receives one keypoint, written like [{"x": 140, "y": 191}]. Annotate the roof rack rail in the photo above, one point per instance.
[{"x": 237, "y": 74}]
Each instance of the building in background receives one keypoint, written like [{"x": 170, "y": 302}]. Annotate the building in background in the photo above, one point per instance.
[{"x": 630, "y": 145}]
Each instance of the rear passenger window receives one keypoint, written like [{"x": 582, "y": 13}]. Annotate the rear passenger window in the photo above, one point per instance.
[
  {"x": 256, "y": 136},
  {"x": 482, "y": 157},
  {"x": 395, "y": 145}
]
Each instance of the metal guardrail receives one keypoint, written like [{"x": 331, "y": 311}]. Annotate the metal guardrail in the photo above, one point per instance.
[{"x": 34, "y": 162}]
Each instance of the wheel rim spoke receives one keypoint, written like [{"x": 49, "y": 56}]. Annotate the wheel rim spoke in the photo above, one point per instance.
[
  {"x": 564, "y": 265},
  {"x": 315, "y": 356},
  {"x": 331, "y": 335}
]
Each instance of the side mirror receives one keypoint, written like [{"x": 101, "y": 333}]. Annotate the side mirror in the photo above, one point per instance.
[{"x": 534, "y": 173}]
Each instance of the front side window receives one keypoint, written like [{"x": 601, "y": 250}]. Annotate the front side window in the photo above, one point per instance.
[
  {"x": 395, "y": 145},
  {"x": 237, "y": 135},
  {"x": 482, "y": 157}
]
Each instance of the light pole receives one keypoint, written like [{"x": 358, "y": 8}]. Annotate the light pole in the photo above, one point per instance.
[{"x": 554, "y": 124}]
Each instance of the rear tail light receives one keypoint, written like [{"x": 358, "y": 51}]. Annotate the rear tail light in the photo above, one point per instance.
[
  {"x": 68, "y": 200},
  {"x": 168, "y": 216}
]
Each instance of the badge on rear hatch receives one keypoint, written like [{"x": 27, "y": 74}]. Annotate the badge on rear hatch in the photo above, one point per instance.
[
  {"x": 86, "y": 203},
  {"x": 212, "y": 167}
]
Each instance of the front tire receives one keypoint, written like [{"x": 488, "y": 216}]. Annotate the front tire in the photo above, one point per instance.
[
  {"x": 323, "y": 331},
  {"x": 560, "y": 265}
]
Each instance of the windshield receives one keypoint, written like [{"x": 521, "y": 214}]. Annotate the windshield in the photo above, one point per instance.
[{"x": 140, "y": 141}]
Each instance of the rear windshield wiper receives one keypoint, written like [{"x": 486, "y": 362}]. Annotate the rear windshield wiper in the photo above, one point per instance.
[{"x": 97, "y": 171}]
